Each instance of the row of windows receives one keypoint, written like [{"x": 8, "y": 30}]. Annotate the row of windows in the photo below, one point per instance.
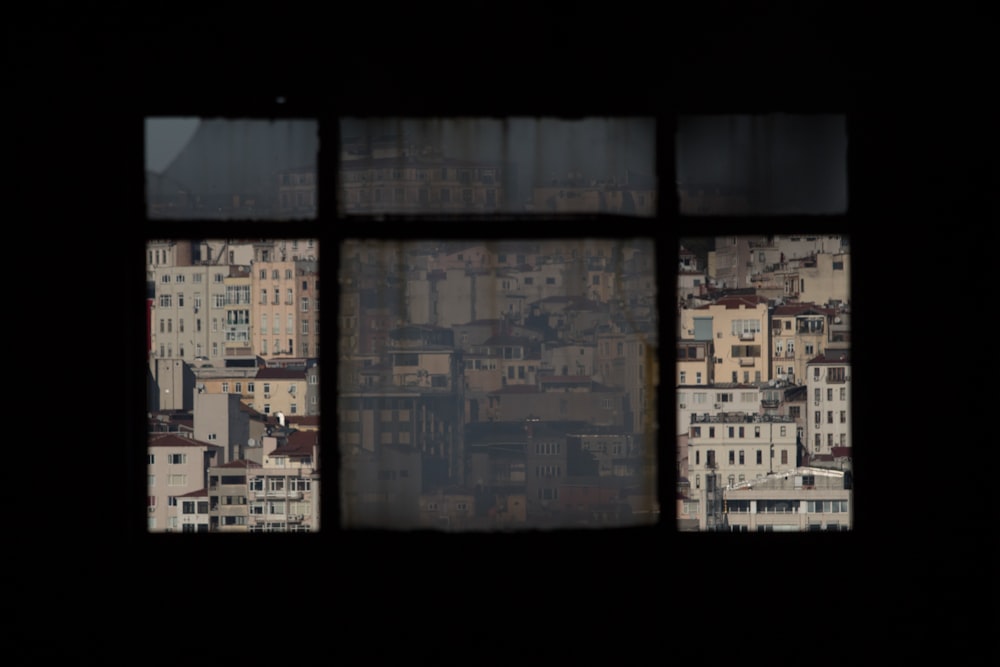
[
  {"x": 174, "y": 459},
  {"x": 179, "y": 278},
  {"x": 276, "y": 300},
  {"x": 710, "y": 457},
  {"x": 289, "y": 324},
  {"x": 734, "y": 431},
  {"x": 829, "y": 416},
  {"x": 172, "y": 480},
  {"x": 818, "y": 443},
  {"x": 818, "y": 394}
]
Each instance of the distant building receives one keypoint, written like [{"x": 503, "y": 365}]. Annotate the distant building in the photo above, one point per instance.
[
  {"x": 828, "y": 386},
  {"x": 176, "y": 466},
  {"x": 387, "y": 177},
  {"x": 729, "y": 448},
  {"x": 796, "y": 499}
]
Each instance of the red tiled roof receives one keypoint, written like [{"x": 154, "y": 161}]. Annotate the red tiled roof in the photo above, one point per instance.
[
  {"x": 835, "y": 358},
  {"x": 200, "y": 493}
]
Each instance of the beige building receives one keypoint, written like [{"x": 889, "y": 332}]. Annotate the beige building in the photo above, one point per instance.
[
  {"x": 739, "y": 328},
  {"x": 176, "y": 465},
  {"x": 715, "y": 398},
  {"x": 799, "y": 332},
  {"x": 290, "y": 391},
  {"x": 793, "y": 500},
  {"x": 285, "y": 317},
  {"x": 828, "y": 403},
  {"x": 729, "y": 448}
]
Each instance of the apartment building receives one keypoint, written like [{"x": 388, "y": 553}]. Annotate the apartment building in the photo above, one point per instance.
[
  {"x": 799, "y": 332},
  {"x": 828, "y": 402},
  {"x": 701, "y": 400},
  {"x": 188, "y": 312},
  {"x": 728, "y": 448},
  {"x": 219, "y": 419},
  {"x": 176, "y": 465},
  {"x": 798, "y": 499},
  {"x": 290, "y": 391},
  {"x": 740, "y": 328},
  {"x": 228, "y": 496},
  {"x": 285, "y": 311},
  {"x": 284, "y": 492},
  {"x": 389, "y": 177}
]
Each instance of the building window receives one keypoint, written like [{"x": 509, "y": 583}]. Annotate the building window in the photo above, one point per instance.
[
  {"x": 305, "y": 304},
  {"x": 784, "y": 457},
  {"x": 760, "y": 457},
  {"x": 177, "y": 480},
  {"x": 741, "y": 457},
  {"x": 829, "y": 416},
  {"x": 176, "y": 459}
]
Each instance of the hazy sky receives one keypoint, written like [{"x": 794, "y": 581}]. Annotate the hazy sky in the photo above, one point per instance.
[{"x": 165, "y": 137}]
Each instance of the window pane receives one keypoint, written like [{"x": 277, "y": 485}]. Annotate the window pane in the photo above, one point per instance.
[
  {"x": 775, "y": 164},
  {"x": 230, "y": 169},
  {"x": 750, "y": 288},
  {"x": 535, "y": 432},
  {"x": 488, "y": 165}
]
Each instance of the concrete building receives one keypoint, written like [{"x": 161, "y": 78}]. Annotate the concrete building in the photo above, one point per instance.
[
  {"x": 229, "y": 496},
  {"x": 291, "y": 391},
  {"x": 188, "y": 313},
  {"x": 220, "y": 420},
  {"x": 284, "y": 492},
  {"x": 176, "y": 465},
  {"x": 728, "y": 448},
  {"x": 792, "y": 500},
  {"x": 828, "y": 386},
  {"x": 799, "y": 332},
  {"x": 714, "y": 399},
  {"x": 285, "y": 306}
]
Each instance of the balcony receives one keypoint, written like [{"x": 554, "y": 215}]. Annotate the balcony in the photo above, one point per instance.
[
  {"x": 295, "y": 518},
  {"x": 769, "y": 403},
  {"x": 748, "y": 361},
  {"x": 279, "y": 495},
  {"x": 747, "y": 335}
]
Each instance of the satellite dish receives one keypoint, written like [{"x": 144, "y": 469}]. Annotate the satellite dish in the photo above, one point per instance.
[{"x": 251, "y": 443}]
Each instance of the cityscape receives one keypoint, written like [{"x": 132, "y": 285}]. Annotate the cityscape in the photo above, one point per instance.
[
  {"x": 488, "y": 384},
  {"x": 763, "y": 384}
]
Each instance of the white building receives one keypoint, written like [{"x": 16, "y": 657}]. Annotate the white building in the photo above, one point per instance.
[
  {"x": 798, "y": 499},
  {"x": 729, "y": 448},
  {"x": 828, "y": 402}
]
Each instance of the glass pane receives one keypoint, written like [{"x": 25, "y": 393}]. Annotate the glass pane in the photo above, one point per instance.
[
  {"x": 232, "y": 403},
  {"x": 763, "y": 360},
  {"x": 775, "y": 164},
  {"x": 498, "y": 385},
  {"x": 490, "y": 165},
  {"x": 231, "y": 169}
]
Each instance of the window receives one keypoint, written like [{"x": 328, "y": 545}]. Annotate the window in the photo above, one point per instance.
[
  {"x": 305, "y": 304},
  {"x": 176, "y": 459},
  {"x": 784, "y": 457}
]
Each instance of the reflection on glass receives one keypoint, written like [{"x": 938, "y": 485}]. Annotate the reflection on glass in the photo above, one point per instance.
[
  {"x": 497, "y": 385},
  {"x": 763, "y": 378},
  {"x": 489, "y": 165},
  {"x": 231, "y": 169},
  {"x": 775, "y": 164},
  {"x": 232, "y": 340}
]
